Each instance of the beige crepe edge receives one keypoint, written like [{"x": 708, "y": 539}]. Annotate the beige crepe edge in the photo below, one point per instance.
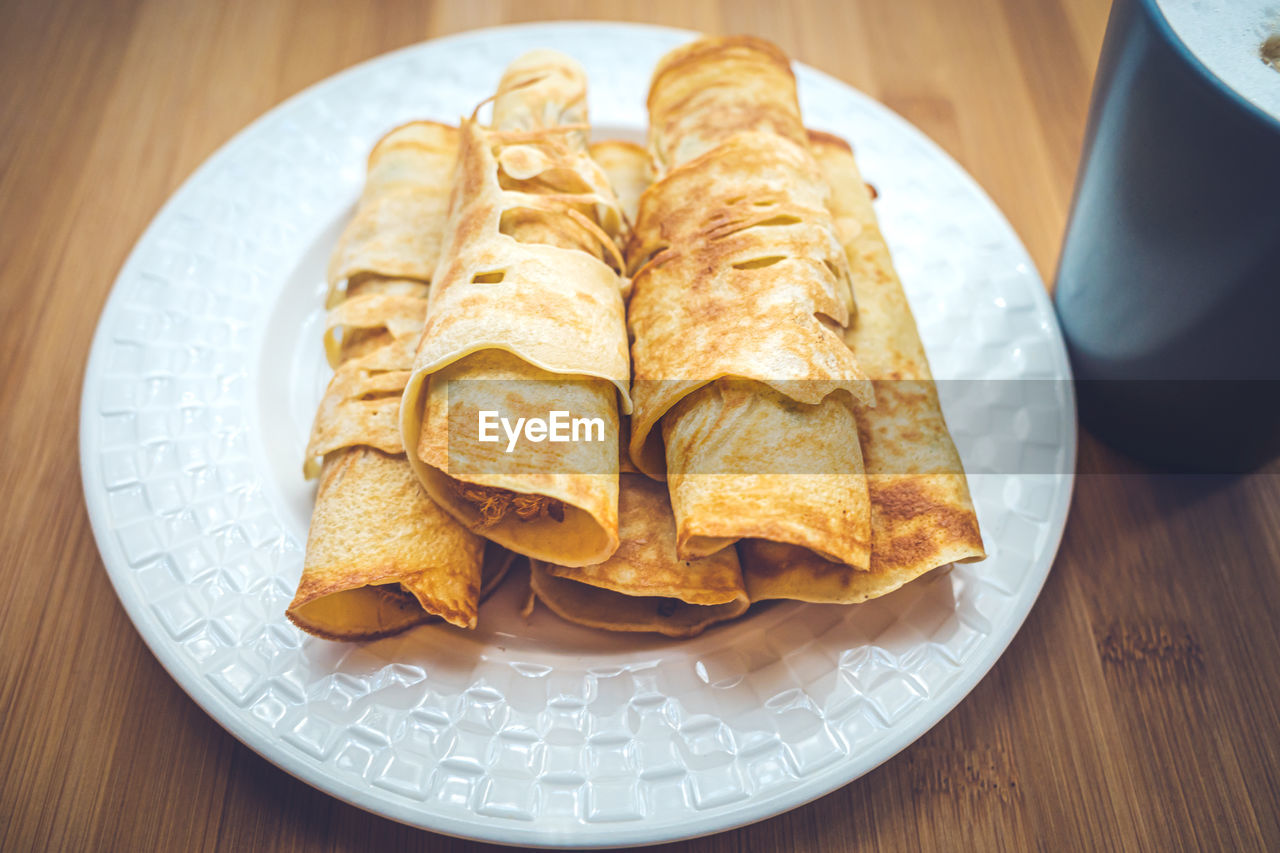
[
  {"x": 403, "y": 610},
  {"x": 597, "y": 607}
]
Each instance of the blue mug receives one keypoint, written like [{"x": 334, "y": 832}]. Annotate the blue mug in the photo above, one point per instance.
[{"x": 1168, "y": 287}]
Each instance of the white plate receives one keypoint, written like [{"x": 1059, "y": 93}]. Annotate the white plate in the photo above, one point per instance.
[{"x": 199, "y": 393}]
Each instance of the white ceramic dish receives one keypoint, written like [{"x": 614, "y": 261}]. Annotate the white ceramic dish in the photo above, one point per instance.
[{"x": 200, "y": 389}]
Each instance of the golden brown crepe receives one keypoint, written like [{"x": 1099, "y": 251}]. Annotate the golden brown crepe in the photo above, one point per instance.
[
  {"x": 744, "y": 390},
  {"x": 921, "y": 513},
  {"x": 380, "y": 555},
  {"x": 398, "y": 224},
  {"x": 626, "y": 165},
  {"x": 644, "y": 585},
  {"x": 526, "y": 318},
  {"x": 369, "y": 341},
  {"x": 714, "y": 88}
]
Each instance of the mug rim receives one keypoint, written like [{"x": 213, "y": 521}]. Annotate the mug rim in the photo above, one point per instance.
[{"x": 1166, "y": 29}]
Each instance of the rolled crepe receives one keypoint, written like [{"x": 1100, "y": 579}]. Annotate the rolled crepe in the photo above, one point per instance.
[
  {"x": 921, "y": 514},
  {"x": 526, "y": 318},
  {"x": 744, "y": 389},
  {"x": 396, "y": 230},
  {"x": 644, "y": 585},
  {"x": 381, "y": 556}
]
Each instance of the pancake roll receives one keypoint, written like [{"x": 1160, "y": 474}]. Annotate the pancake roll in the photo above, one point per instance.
[
  {"x": 526, "y": 318},
  {"x": 380, "y": 555},
  {"x": 922, "y": 516},
  {"x": 745, "y": 392}
]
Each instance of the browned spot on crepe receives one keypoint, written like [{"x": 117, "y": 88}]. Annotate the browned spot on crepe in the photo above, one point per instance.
[
  {"x": 897, "y": 502},
  {"x": 903, "y": 499}
]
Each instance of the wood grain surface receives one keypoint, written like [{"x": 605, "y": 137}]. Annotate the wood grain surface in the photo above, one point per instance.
[{"x": 1136, "y": 709}]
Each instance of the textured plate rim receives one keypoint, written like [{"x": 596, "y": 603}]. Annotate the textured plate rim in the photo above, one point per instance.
[{"x": 751, "y": 811}]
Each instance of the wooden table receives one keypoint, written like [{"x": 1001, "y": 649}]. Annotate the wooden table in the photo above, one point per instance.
[{"x": 1136, "y": 708}]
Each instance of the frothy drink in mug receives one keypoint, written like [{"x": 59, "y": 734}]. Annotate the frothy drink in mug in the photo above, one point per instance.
[
  {"x": 1238, "y": 40},
  {"x": 1169, "y": 281}
]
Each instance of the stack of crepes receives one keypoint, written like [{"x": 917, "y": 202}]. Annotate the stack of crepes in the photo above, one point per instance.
[
  {"x": 786, "y": 442},
  {"x": 381, "y": 556},
  {"x": 789, "y": 474}
]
